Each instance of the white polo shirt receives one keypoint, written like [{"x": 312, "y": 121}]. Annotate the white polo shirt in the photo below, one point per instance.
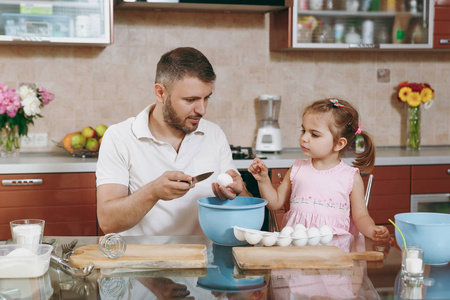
[{"x": 130, "y": 155}]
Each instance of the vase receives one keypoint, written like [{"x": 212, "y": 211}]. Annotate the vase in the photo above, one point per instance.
[
  {"x": 9, "y": 141},
  {"x": 413, "y": 128}
]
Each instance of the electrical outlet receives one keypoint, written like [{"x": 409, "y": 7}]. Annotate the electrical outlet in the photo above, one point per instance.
[
  {"x": 40, "y": 139},
  {"x": 27, "y": 141},
  {"x": 35, "y": 140}
]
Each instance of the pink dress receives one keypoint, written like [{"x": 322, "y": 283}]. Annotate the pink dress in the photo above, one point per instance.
[{"x": 321, "y": 197}]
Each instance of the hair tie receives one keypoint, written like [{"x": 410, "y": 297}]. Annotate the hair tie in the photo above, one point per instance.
[
  {"x": 358, "y": 131},
  {"x": 336, "y": 103}
]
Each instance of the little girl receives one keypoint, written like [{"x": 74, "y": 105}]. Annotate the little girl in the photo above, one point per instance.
[{"x": 324, "y": 190}]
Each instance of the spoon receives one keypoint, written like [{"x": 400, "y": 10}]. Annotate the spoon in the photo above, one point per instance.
[{"x": 86, "y": 271}]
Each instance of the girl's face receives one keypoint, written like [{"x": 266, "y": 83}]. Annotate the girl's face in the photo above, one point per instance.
[{"x": 316, "y": 139}]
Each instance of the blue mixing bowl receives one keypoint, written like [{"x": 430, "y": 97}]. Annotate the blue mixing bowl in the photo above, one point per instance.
[
  {"x": 430, "y": 230},
  {"x": 217, "y": 217},
  {"x": 220, "y": 277}
]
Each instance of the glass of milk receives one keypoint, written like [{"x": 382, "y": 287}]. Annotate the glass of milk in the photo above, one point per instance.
[
  {"x": 412, "y": 262},
  {"x": 27, "y": 231}
]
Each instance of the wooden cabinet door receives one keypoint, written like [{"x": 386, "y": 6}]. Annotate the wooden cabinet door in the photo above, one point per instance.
[
  {"x": 441, "y": 35},
  {"x": 430, "y": 179},
  {"x": 390, "y": 193},
  {"x": 67, "y": 202}
]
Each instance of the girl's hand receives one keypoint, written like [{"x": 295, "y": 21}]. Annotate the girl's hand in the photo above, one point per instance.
[
  {"x": 381, "y": 233},
  {"x": 258, "y": 169}
]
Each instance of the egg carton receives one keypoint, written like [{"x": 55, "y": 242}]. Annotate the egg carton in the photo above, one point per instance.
[{"x": 297, "y": 236}]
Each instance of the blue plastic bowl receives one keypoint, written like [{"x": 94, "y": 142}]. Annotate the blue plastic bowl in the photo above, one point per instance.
[
  {"x": 430, "y": 230},
  {"x": 220, "y": 277},
  {"x": 217, "y": 217}
]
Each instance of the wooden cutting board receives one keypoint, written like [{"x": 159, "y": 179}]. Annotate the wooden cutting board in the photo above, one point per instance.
[
  {"x": 292, "y": 257},
  {"x": 189, "y": 256}
]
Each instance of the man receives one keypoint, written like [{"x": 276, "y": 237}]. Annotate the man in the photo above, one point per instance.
[{"x": 144, "y": 161}]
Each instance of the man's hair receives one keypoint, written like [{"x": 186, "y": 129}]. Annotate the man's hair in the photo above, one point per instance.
[{"x": 183, "y": 62}]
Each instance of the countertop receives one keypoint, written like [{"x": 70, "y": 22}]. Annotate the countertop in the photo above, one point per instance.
[{"x": 62, "y": 162}]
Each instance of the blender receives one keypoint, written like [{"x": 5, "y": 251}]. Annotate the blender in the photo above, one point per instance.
[{"x": 268, "y": 138}]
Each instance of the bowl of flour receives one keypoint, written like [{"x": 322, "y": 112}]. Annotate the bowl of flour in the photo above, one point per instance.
[{"x": 24, "y": 261}]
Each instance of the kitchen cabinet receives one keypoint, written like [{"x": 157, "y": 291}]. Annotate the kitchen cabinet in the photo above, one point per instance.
[
  {"x": 71, "y": 22},
  {"x": 246, "y": 6},
  {"x": 390, "y": 193},
  {"x": 66, "y": 201},
  {"x": 276, "y": 177},
  {"x": 404, "y": 25},
  {"x": 430, "y": 179},
  {"x": 441, "y": 37}
]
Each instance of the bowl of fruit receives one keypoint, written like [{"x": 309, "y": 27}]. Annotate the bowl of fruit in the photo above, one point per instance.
[{"x": 84, "y": 143}]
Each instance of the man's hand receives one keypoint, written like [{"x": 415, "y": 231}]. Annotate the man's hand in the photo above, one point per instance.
[
  {"x": 171, "y": 185},
  {"x": 232, "y": 190}
]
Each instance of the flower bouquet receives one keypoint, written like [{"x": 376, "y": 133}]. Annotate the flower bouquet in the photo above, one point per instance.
[
  {"x": 17, "y": 111},
  {"x": 415, "y": 94}
]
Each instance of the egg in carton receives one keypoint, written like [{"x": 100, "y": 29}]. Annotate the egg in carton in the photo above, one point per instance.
[{"x": 298, "y": 235}]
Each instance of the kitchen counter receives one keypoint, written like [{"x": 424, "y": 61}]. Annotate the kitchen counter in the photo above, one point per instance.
[
  {"x": 62, "y": 162},
  {"x": 221, "y": 279}
]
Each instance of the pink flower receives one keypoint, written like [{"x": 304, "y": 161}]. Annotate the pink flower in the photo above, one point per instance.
[
  {"x": 9, "y": 101},
  {"x": 45, "y": 95}
]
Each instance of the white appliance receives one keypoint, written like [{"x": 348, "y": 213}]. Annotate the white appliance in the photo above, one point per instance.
[{"x": 268, "y": 138}]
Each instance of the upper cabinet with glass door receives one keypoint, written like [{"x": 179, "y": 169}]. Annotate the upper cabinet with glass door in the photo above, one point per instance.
[
  {"x": 70, "y": 22},
  {"x": 354, "y": 24}
]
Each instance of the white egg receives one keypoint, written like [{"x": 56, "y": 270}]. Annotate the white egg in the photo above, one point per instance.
[
  {"x": 284, "y": 240},
  {"x": 287, "y": 230},
  {"x": 253, "y": 237},
  {"x": 299, "y": 234},
  {"x": 239, "y": 233},
  {"x": 325, "y": 230},
  {"x": 269, "y": 239},
  {"x": 326, "y": 239},
  {"x": 299, "y": 226},
  {"x": 299, "y": 241},
  {"x": 314, "y": 241},
  {"x": 224, "y": 179},
  {"x": 313, "y": 232}
]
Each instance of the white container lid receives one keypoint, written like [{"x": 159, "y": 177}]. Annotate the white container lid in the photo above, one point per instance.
[{"x": 266, "y": 97}]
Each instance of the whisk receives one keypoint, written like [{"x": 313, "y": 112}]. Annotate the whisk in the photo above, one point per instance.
[{"x": 112, "y": 245}]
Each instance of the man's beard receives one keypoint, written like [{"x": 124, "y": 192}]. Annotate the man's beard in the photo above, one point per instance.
[{"x": 173, "y": 120}]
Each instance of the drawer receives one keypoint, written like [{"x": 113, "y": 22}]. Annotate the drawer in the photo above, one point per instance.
[
  {"x": 46, "y": 181},
  {"x": 430, "y": 179},
  {"x": 40, "y": 198},
  {"x": 277, "y": 175}
]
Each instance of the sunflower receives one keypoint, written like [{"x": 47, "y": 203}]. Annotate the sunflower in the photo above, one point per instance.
[
  {"x": 426, "y": 94},
  {"x": 413, "y": 99},
  {"x": 404, "y": 93}
]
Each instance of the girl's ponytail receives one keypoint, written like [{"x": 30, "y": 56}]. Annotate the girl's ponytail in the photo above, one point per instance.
[{"x": 365, "y": 161}]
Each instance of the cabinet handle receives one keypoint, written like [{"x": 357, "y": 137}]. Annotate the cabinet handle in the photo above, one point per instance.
[
  {"x": 280, "y": 177},
  {"x": 22, "y": 182},
  {"x": 30, "y": 39},
  {"x": 444, "y": 42},
  {"x": 448, "y": 171},
  {"x": 367, "y": 46}
]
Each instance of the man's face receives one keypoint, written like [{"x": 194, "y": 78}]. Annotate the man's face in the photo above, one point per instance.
[{"x": 186, "y": 104}]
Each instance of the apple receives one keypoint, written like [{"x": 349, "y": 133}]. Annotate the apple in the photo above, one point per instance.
[
  {"x": 100, "y": 130},
  {"x": 88, "y": 132},
  {"x": 92, "y": 144},
  {"x": 78, "y": 141}
]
